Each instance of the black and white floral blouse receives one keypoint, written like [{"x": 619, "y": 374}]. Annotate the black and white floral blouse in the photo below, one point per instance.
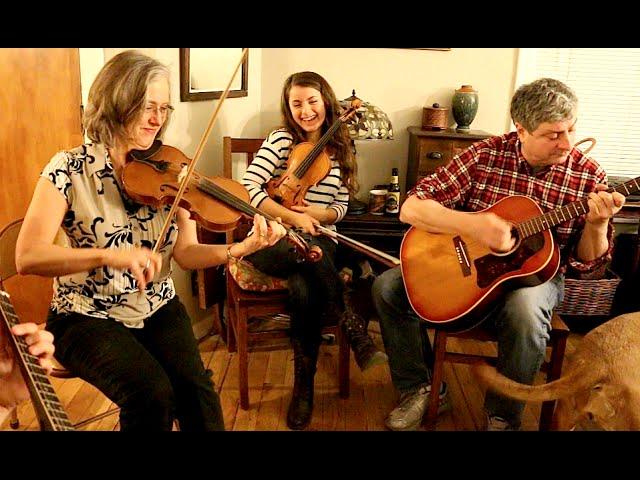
[{"x": 100, "y": 216}]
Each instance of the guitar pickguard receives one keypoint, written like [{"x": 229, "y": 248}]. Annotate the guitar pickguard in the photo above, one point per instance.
[{"x": 491, "y": 267}]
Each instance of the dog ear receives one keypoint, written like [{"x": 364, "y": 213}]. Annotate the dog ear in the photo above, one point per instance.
[{"x": 600, "y": 404}]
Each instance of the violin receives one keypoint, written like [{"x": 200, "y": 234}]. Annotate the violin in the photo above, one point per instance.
[
  {"x": 308, "y": 164},
  {"x": 154, "y": 177}
]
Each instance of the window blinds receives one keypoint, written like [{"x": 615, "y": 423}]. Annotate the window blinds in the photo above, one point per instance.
[{"x": 607, "y": 82}]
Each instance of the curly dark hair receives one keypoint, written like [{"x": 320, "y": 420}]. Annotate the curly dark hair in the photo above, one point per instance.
[{"x": 340, "y": 143}]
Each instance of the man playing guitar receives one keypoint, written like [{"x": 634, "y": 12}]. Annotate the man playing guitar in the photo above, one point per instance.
[{"x": 538, "y": 161}]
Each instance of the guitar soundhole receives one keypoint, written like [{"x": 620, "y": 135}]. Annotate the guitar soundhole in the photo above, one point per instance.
[{"x": 491, "y": 267}]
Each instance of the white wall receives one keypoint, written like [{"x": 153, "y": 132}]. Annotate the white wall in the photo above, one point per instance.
[{"x": 400, "y": 82}]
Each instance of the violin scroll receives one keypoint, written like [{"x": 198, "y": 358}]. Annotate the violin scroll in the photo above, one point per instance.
[
  {"x": 314, "y": 253},
  {"x": 356, "y": 103}
]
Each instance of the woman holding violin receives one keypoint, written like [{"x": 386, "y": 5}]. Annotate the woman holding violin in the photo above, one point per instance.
[
  {"x": 309, "y": 109},
  {"x": 115, "y": 315}
]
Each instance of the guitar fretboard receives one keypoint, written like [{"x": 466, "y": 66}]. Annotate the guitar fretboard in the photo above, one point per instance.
[
  {"x": 43, "y": 394},
  {"x": 567, "y": 212}
]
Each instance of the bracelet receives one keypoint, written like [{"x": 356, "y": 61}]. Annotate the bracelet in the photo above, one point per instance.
[{"x": 230, "y": 256}]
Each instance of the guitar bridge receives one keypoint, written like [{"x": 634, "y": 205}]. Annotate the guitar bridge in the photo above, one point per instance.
[{"x": 463, "y": 255}]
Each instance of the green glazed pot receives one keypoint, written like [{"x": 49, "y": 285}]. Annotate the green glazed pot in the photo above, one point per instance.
[{"x": 464, "y": 106}]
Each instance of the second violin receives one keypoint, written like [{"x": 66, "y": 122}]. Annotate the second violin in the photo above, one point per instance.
[{"x": 308, "y": 164}]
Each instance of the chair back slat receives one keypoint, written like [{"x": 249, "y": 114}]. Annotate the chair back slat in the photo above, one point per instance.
[
  {"x": 8, "y": 239},
  {"x": 249, "y": 147}
]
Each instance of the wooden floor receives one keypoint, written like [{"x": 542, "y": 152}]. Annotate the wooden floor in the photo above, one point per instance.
[{"x": 372, "y": 395}]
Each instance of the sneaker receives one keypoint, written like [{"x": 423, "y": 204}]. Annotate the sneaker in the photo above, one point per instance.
[
  {"x": 412, "y": 407},
  {"x": 498, "y": 424}
]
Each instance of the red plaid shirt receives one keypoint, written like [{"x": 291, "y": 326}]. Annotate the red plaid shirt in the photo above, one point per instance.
[{"x": 494, "y": 168}]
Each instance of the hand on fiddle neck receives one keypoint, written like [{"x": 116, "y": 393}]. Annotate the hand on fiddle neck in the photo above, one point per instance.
[{"x": 263, "y": 234}]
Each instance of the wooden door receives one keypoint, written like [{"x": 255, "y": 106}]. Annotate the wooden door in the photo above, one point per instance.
[{"x": 40, "y": 105}]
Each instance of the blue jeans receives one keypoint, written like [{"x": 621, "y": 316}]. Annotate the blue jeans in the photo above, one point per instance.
[
  {"x": 521, "y": 321},
  {"x": 154, "y": 374}
]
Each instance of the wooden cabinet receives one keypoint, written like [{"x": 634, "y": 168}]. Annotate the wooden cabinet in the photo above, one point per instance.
[{"x": 429, "y": 149}]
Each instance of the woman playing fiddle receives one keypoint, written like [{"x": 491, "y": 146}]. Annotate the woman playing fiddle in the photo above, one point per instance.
[
  {"x": 115, "y": 315},
  {"x": 309, "y": 108}
]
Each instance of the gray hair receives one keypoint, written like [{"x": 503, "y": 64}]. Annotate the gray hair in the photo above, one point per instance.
[
  {"x": 545, "y": 100},
  {"x": 118, "y": 94}
]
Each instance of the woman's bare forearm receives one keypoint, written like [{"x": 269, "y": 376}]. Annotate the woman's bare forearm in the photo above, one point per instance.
[{"x": 54, "y": 260}]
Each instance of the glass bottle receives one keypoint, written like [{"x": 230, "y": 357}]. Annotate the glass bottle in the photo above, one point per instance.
[{"x": 392, "y": 204}]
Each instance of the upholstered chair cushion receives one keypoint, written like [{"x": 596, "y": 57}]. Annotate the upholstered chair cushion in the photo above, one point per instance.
[{"x": 250, "y": 278}]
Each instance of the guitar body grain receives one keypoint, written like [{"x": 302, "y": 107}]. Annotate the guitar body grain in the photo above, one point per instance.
[{"x": 452, "y": 282}]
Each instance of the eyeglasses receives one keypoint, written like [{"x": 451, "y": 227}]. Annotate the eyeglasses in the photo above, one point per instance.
[{"x": 163, "y": 110}]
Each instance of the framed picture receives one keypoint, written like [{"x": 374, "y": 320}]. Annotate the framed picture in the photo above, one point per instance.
[{"x": 205, "y": 73}]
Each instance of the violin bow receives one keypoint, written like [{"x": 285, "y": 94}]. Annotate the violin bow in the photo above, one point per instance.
[{"x": 196, "y": 157}]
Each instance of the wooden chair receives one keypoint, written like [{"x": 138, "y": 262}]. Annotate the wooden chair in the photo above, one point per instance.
[
  {"x": 439, "y": 355},
  {"x": 31, "y": 309},
  {"x": 243, "y": 305}
]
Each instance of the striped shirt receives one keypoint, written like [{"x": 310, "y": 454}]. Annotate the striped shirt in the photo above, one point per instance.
[
  {"x": 98, "y": 216},
  {"x": 271, "y": 162},
  {"x": 494, "y": 168}
]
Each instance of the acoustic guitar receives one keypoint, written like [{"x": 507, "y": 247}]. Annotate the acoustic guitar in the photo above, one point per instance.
[
  {"x": 451, "y": 281},
  {"x": 49, "y": 412}
]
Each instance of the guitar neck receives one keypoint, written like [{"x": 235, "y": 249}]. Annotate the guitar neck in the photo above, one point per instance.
[
  {"x": 50, "y": 413},
  {"x": 567, "y": 212}
]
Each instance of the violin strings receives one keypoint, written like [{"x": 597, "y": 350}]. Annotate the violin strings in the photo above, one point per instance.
[
  {"x": 231, "y": 200},
  {"x": 304, "y": 166},
  {"x": 221, "y": 194},
  {"x": 315, "y": 151}
]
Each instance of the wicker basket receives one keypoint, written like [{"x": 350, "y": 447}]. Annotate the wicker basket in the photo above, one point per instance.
[{"x": 589, "y": 297}]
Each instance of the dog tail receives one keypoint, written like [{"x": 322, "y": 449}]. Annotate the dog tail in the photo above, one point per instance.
[{"x": 569, "y": 384}]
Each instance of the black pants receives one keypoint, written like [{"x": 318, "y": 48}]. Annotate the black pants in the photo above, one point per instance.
[
  {"x": 314, "y": 287},
  {"x": 154, "y": 374}
]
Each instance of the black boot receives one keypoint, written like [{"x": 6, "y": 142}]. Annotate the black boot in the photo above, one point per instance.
[
  {"x": 301, "y": 406},
  {"x": 366, "y": 353}
]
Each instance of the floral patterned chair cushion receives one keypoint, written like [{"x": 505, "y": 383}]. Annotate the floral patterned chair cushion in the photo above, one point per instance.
[{"x": 250, "y": 278}]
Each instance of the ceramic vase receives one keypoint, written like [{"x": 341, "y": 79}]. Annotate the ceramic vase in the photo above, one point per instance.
[{"x": 464, "y": 106}]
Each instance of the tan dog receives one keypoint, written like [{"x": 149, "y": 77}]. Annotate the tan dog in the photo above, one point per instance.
[{"x": 600, "y": 388}]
